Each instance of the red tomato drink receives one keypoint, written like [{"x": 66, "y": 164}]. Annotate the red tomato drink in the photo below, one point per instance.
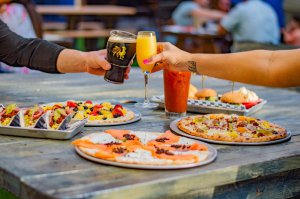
[{"x": 176, "y": 85}]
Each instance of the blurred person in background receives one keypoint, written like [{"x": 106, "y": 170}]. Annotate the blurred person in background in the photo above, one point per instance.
[
  {"x": 252, "y": 22},
  {"x": 195, "y": 13},
  {"x": 292, "y": 32},
  {"x": 18, "y": 20},
  {"x": 277, "y": 5}
]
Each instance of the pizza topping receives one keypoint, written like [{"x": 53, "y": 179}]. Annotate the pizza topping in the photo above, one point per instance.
[
  {"x": 233, "y": 134},
  {"x": 163, "y": 151},
  {"x": 260, "y": 135},
  {"x": 242, "y": 124},
  {"x": 124, "y": 135},
  {"x": 71, "y": 104},
  {"x": 178, "y": 146},
  {"x": 118, "y": 106},
  {"x": 112, "y": 143},
  {"x": 119, "y": 150},
  {"x": 129, "y": 136},
  {"x": 117, "y": 113},
  {"x": 241, "y": 129},
  {"x": 88, "y": 102},
  {"x": 163, "y": 140}
]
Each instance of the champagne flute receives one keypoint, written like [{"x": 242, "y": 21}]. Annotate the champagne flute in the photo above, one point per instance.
[{"x": 146, "y": 47}]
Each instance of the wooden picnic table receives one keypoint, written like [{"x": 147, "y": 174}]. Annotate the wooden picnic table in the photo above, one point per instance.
[
  {"x": 41, "y": 168},
  {"x": 101, "y": 10},
  {"x": 75, "y": 13},
  {"x": 206, "y": 38}
]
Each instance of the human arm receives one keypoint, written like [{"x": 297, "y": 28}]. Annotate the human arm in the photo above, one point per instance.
[
  {"x": 34, "y": 53},
  {"x": 48, "y": 57},
  {"x": 260, "y": 67}
]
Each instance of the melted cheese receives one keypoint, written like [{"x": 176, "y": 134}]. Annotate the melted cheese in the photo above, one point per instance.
[{"x": 142, "y": 156}]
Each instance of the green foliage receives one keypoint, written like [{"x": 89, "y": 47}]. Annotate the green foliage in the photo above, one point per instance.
[{"x": 4, "y": 194}]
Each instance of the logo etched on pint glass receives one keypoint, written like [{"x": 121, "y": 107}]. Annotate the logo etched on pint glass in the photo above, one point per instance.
[{"x": 118, "y": 52}]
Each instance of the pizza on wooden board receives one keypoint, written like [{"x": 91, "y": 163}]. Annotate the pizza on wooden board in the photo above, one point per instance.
[
  {"x": 144, "y": 148},
  {"x": 231, "y": 128}
]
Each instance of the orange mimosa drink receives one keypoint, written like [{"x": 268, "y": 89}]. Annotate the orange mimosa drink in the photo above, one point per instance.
[{"x": 146, "y": 47}]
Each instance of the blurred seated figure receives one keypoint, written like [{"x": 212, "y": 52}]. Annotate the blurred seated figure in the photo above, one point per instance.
[
  {"x": 17, "y": 18},
  {"x": 195, "y": 13},
  {"x": 292, "y": 32},
  {"x": 277, "y": 5},
  {"x": 252, "y": 21}
]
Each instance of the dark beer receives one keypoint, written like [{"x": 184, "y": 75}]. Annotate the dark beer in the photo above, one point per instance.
[{"x": 121, "y": 47}]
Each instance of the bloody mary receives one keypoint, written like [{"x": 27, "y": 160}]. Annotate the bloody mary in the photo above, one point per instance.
[{"x": 176, "y": 85}]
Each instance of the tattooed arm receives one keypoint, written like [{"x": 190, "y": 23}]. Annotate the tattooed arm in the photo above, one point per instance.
[{"x": 260, "y": 67}]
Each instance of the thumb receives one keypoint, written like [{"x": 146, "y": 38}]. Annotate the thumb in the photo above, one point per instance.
[{"x": 156, "y": 58}]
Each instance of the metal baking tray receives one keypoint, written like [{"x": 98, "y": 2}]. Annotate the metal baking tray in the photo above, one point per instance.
[
  {"x": 72, "y": 130},
  {"x": 175, "y": 129},
  {"x": 204, "y": 106},
  {"x": 211, "y": 157}
]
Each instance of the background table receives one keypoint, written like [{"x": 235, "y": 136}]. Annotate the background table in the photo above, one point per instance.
[
  {"x": 110, "y": 10},
  {"x": 37, "y": 168},
  {"x": 75, "y": 12},
  {"x": 207, "y": 38}
]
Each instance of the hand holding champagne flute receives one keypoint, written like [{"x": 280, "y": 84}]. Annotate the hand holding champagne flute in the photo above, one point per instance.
[{"x": 146, "y": 47}]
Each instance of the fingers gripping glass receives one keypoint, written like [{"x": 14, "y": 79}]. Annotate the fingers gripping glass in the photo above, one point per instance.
[{"x": 146, "y": 47}]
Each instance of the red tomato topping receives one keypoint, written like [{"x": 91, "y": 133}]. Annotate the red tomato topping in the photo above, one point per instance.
[
  {"x": 37, "y": 114},
  {"x": 88, "y": 102},
  {"x": 59, "y": 120},
  {"x": 117, "y": 113},
  {"x": 118, "y": 106},
  {"x": 94, "y": 113},
  {"x": 71, "y": 104},
  {"x": 251, "y": 104},
  {"x": 98, "y": 106}
]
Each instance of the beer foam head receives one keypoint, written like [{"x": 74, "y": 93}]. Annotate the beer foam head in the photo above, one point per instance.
[{"x": 122, "y": 36}]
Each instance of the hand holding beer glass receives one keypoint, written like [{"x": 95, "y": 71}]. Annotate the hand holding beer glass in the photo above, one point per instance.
[
  {"x": 146, "y": 47},
  {"x": 121, "y": 47}
]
